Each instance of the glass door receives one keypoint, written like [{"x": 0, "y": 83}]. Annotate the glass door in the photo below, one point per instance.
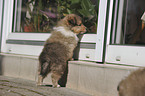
[{"x": 126, "y": 35}]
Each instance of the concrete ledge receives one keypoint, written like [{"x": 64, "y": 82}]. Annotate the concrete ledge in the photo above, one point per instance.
[
  {"x": 19, "y": 55},
  {"x": 96, "y": 79},
  {"x": 88, "y": 77},
  {"x": 18, "y": 66},
  {"x": 94, "y": 64}
]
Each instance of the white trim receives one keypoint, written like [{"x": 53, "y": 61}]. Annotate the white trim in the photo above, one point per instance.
[
  {"x": 101, "y": 30},
  {"x": 84, "y": 54},
  {"x": 128, "y": 55},
  {"x": 119, "y": 25},
  {"x": 1, "y": 8},
  {"x": 109, "y": 22},
  {"x": 29, "y": 36},
  {"x": 24, "y": 49},
  {"x": 7, "y": 22},
  {"x": 87, "y": 54},
  {"x": 89, "y": 38},
  {"x": 1, "y": 16},
  {"x": 109, "y": 27}
]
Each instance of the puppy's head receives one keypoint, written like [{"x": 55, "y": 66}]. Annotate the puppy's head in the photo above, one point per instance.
[{"x": 74, "y": 23}]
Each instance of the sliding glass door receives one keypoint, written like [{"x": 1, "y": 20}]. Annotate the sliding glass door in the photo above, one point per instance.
[{"x": 126, "y": 35}]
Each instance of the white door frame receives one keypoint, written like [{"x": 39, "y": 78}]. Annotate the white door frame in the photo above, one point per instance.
[
  {"x": 123, "y": 54},
  {"x": 1, "y": 20}
]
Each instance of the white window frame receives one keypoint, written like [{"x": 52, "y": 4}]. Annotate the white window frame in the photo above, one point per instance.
[
  {"x": 122, "y": 54},
  {"x": 1, "y": 17},
  {"x": 95, "y": 54},
  {"x": 1, "y": 8}
]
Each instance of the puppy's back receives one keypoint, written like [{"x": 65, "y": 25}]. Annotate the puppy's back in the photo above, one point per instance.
[{"x": 54, "y": 51}]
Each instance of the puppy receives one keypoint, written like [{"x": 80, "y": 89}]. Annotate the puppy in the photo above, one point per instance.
[
  {"x": 133, "y": 85},
  {"x": 58, "y": 49}
]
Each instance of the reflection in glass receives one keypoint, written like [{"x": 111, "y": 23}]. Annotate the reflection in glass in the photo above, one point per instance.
[
  {"x": 42, "y": 15},
  {"x": 128, "y": 27}
]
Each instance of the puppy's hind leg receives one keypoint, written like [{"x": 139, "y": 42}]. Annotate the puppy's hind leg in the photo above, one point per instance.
[
  {"x": 43, "y": 71},
  {"x": 55, "y": 77},
  {"x": 40, "y": 80}
]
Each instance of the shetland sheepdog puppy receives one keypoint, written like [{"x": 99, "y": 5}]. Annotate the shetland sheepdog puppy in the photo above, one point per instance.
[{"x": 58, "y": 48}]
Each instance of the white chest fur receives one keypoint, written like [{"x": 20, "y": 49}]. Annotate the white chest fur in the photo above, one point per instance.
[{"x": 66, "y": 33}]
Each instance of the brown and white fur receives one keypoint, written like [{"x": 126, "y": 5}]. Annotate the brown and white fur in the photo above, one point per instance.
[
  {"x": 58, "y": 49},
  {"x": 134, "y": 84}
]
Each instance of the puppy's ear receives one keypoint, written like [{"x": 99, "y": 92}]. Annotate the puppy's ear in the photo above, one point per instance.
[{"x": 72, "y": 19}]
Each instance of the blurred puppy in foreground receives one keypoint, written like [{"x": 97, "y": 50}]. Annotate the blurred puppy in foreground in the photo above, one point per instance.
[
  {"x": 133, "y": 85},
  {"x": 58, "y": 49}
]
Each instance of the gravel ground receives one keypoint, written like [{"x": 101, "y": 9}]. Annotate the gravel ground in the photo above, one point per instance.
[{"x": 20, "y": 87}]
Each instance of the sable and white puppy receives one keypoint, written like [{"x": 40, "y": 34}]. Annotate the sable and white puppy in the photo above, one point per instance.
[{"x": 58, "y": 49}]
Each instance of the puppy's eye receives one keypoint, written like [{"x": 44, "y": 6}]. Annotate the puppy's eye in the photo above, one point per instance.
[
  {"x": 72, "y": 22},
  {"x": 80, "y": 24}
]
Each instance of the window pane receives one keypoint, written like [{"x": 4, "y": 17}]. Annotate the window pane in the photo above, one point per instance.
[
  {"x": 42, "y": 15},
  {"x": 128, "y": 27}
]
